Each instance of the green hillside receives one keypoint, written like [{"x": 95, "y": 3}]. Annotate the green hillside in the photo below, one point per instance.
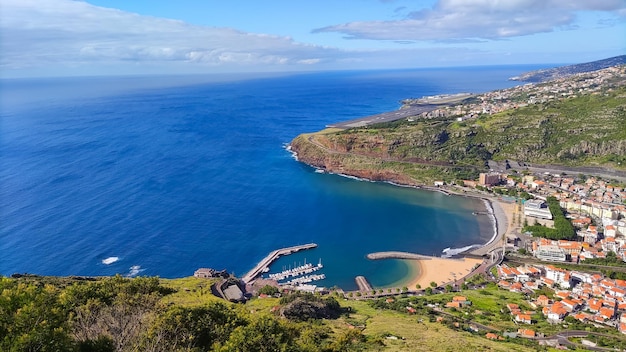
[
  {"x": 587, "y": 130},
  {"x": 149, "y": 314}
]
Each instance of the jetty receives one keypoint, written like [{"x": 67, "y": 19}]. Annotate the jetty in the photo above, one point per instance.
[
  {"x": 264, "y": 264},
  {"x": 364, "y": 286},
  {"x": 397, "y": 255}
]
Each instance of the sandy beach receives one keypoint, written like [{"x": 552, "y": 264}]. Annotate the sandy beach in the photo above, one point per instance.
[
  {"x": 443, "y": 270},
  {"x": 439, "y": 270}
]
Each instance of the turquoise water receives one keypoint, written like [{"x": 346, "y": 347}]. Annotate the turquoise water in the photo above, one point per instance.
[{"x": 162, "y": 175}]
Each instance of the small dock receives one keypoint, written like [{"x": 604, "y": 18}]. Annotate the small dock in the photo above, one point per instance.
[
  {"x": 364, "y": 286},
  {"x": 270, "y": 258}
]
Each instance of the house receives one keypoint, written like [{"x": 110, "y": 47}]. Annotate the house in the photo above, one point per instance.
[
  {"x": 458, "y": 302},
  {"x": 523, "y": 318},
  {"x": 607, "y": 313},
  {"x": 527, "y": 333},
  {"x": 610, "y": 231},
  {"x": 512, "y": 306},
  {"x": 594, "y": 305},
  {"x": 583, "y": 317},
  {"x": 543, "y": 300},
  {"x": 569, "y": 304},
  {"x": 555, "y": 313},
  {"x": 491, "y": 336}
]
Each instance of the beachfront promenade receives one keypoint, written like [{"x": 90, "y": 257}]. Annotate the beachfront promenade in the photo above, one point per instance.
[{"x": 270, "y": 258}]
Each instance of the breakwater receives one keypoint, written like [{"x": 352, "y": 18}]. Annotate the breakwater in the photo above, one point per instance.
[
  {"x": 396, "y": 255},
  {"x": 264, "y": 264}
]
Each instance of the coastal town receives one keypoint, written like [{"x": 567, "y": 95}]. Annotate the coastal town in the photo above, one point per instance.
[
  {"x": 522, "y": 95},
  {"x": 559, "y": 241}
]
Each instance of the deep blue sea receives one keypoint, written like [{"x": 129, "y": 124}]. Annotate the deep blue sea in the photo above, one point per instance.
[{"x": 169, "y": 174}]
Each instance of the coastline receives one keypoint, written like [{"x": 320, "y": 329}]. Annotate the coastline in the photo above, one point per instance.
[
  {"x": 442, "y": 270},
  {"x": 445, "y": 270}
]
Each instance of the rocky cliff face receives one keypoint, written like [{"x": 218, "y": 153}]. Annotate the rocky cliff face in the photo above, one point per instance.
[
  {"x": 340, "y": 161},
  {"x": 584, "y": 131}
]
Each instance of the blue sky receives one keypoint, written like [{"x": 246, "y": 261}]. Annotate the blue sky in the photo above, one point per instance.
[{"x": 100, "y": 37}]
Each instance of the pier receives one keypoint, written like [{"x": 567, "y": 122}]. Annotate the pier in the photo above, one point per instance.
[
  {"x": 270, "y": 258},
  {"x": 396, "y": 255},
  {"x": 364, "y": 286}
]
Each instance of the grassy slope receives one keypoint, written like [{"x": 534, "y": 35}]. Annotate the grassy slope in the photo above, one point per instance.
[
  {"x": 588, "y": 130},
  {"x": 414, "y": 335}
]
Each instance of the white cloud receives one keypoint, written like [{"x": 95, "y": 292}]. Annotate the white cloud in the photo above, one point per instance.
[
  {"x": 36, "y": 33},
  {"x": 479, "y": 19}
]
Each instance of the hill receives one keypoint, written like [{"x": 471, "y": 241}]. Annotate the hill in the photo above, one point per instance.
[
  {"x": 577, "y": 122},
  {"x": 564, "y": 71},
  {"x": 150, "y": 314}
]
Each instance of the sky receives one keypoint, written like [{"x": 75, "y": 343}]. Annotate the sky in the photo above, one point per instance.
[{"x": 106, "y": 37}]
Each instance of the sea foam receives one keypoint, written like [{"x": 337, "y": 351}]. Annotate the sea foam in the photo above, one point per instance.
[{"x": 110, "y": 260}]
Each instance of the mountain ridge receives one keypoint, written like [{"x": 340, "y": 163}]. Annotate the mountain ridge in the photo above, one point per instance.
[{"x": 547, "y": 74}]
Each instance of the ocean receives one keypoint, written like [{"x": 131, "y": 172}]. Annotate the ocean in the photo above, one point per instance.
[{"x": 163, "y": 175}]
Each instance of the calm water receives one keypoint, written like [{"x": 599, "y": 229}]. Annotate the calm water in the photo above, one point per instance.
[{"x": 174, "y": 173}]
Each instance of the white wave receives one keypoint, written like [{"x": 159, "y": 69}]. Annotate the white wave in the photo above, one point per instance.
[
  {"x": 110, "y": 260},
  {"x": 134, "y": 270},
  {"x": 449, "y": 252},
  {"x": 355, "y": 178},
  {"x": 319, "y": 171},
  {"x": 290, "y": 150}
]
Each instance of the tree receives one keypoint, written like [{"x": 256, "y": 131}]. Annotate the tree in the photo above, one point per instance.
[
  {"x": 269, "y": 290},
  {"x": 196, "y": 327},
  {"x": 429, "y": 290},
  {"x": 264, "y": 333},
  {"x": 418, "y": 286},
  {"x": 31, "y": 318},
  {"x": 433, "y": 284}
]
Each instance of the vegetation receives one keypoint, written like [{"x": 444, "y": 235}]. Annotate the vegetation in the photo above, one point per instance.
[
  {"x": 149, "y": 314},
  {"x": 588, "y": 130},
  {"x": 121, "y": 314},
  {"x": 610, "y": 260},
  {"x": 563, "y": 228}
]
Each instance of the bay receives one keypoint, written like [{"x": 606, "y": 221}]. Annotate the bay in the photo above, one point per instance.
[{"x": 169, "y": 174}]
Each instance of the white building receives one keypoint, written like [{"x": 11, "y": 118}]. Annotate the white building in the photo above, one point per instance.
[
  {"x": 551, "y": 253},
  {"x": 537, "y": 208}
]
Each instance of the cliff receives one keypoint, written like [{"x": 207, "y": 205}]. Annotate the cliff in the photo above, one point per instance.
[{"x": 579, "y": 131}]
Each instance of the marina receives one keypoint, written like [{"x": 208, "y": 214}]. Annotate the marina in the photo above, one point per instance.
[
  {"x": 263, "y": 265},
  {"x": 307, "y": 268},
  {"x": 305, "y": 279}
]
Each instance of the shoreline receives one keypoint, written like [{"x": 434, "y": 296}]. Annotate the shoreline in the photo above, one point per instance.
[{"x": 440, "y": 269}]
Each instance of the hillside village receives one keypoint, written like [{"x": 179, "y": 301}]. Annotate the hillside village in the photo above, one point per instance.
[
  {"x": 596, "y": 208},
  {"x": 528, "y": 94}
]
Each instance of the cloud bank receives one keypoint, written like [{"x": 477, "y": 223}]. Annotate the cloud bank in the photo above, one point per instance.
[
  {"x": 49, "y": 32},
  {"x": 458, "y": 20}
]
